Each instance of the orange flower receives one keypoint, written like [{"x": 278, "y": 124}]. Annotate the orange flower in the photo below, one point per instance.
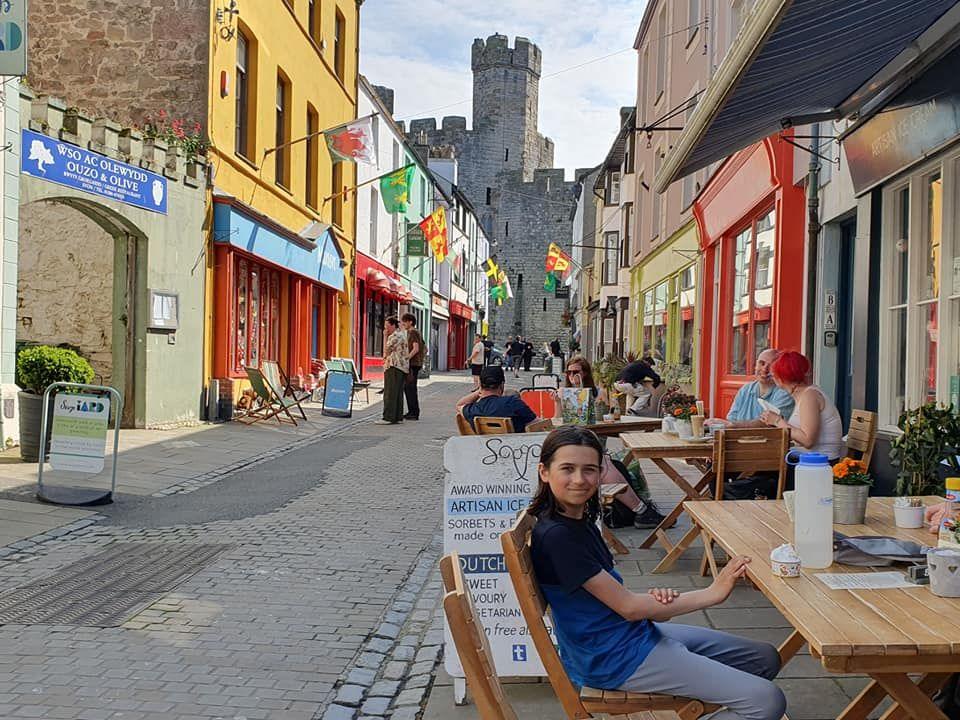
[
  {"x": 693, "y": 409},
  {"x": 678, "y": 412}
]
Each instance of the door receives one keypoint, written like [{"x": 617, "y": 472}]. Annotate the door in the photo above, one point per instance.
[
  {"x": 848, "y": 232},
  {"x": 435, "y": 346}
]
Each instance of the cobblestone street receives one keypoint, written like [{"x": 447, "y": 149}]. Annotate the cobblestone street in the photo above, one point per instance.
[{"x": 318, "y": 596}]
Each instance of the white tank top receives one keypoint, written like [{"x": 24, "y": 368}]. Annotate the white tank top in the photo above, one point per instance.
[{"x": 830, "y": 440}]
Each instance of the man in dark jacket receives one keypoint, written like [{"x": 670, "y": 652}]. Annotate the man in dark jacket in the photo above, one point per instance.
[
  {"x": 632, "y": 381},
  {"x": 490, "y": 401}
]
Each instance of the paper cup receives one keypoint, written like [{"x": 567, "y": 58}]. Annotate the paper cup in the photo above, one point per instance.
[{"x": 785, "y": 569}]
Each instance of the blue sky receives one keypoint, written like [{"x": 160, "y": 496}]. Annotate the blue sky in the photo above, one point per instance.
[{"x": 421, "y": 49}]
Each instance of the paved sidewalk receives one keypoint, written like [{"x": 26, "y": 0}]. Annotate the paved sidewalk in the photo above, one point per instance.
[{"x": 166, "y": 462}]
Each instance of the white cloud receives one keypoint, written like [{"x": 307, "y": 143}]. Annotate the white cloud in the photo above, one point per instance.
[{"x": 422, "y": 51}]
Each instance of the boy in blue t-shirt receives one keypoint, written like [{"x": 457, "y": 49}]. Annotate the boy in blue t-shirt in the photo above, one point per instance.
[{"x": 614, "y": 639}]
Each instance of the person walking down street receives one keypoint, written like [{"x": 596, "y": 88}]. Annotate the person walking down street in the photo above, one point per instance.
[
  {"x": 516, "y": 353},
  {"x": 631, "y": 381},
  {"x": 396, "y": 365},
  {"x": 507, "y": 356},
  {"x": 527, "y": 354},
  {"x": 415, "y": 354},
  {"x": 476, "y": 360},
  {"x": 487, "y": 349}
]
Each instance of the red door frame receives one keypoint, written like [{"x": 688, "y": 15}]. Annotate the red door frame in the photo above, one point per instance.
[{"x": 747, "y": 185}]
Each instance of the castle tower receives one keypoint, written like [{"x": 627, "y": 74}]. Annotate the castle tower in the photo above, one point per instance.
[{"x": 506, "y": 95}]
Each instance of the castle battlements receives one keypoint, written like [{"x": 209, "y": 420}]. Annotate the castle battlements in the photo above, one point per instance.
[{"x": 495, "y": 51}]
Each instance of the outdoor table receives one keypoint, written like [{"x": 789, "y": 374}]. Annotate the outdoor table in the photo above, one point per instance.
[
  {"x": 660, "y": 447},
  {"x": 882, "y": 633},
  {"x": 626, "y": 424}
]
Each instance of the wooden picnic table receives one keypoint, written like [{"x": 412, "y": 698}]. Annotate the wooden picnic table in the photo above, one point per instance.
[
  {"x": 660, "y": 448},
  {"x": 626, "y": 424},
  {"x": 882, "y": 633}
]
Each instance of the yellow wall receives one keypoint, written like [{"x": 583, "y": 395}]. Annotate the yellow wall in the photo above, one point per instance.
[{"x": 280, "y": 31}]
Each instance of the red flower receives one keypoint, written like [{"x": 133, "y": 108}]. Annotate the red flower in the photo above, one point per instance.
[
  {"x": 162, "y": 114},
  {"x": 196, "y": 128}
]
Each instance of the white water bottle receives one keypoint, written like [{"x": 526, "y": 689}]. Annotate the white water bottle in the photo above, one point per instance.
[{"x": 813, "y": 509}]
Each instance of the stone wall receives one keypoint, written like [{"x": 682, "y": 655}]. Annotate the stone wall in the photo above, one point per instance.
[
  {"x": 66, "y": 264},
  {"x": 120, "y": 59}
]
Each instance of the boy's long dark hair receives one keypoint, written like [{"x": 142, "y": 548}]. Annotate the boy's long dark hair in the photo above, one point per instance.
[{"x": 544, "y": 501}]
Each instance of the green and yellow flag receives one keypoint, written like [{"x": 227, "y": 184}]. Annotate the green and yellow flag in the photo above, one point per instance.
[
  {"x": 492, "y": 271},
  {"x": 550, "y": 283},
  {"x": 395, "y": 189}
]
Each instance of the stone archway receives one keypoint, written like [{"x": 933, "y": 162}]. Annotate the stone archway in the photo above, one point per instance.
[{"x": 81, "y": 283}]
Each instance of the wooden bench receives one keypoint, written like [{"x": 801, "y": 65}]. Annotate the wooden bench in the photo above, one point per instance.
[{"x": 589, "y": 701}]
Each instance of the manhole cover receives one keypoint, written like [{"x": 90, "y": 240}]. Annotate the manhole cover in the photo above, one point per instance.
[{"x": 106, "y": 589}]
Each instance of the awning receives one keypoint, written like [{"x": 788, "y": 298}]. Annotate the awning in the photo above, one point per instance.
[{"x": 800, "y": 61}]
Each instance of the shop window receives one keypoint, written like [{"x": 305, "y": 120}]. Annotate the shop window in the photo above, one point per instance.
[
  {"x": 256, "y": 315},
  {"x": 244, "y": 92},
  {"x": 282, "y": 138},
  {"x": 339, "y": 46},
  {"x": 688, "y": 297},
  {"x": 754, "y": 263},
  {"x": 379, "y": 308},
  {"x": 313, "y": 159},
  {"x": 661, "y": 322}
]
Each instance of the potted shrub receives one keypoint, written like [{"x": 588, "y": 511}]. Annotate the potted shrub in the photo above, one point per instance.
[
  {"x": 851, "y": 488},
  {"x": 605, "y": 373},
  {"x": 38, "y": 367},
  {"x": 928, "y": 441},
  {"x": 673, "y": 400},
  {"x": 681, "y": 417}
]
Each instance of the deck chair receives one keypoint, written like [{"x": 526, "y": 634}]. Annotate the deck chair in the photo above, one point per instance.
[
  {"x": 464, "y": 426},
  {"x": 473, "y": 648},
  {"x": 346, "y": 365},
  {"x": 493, "y": 425},
  {"x": 862, "y": 435},
  {"x": 279, "y": 379},
  {"x": 545, "y": 425},
  {"x": 269, "y": 402},
  {"x": 736, "y": 451},
  {"x": 543, "y": 402},
  {"x": 589, "y": 701}
]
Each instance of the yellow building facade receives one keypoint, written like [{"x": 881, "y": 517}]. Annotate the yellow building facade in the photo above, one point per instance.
[{"x": 281, "y": 250}]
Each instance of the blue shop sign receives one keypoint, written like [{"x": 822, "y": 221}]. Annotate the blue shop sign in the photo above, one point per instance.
[
  {"x": 69, "y": 165},
  {"x": 321, "y": 262},
  {"x": 338, "y": 395}
]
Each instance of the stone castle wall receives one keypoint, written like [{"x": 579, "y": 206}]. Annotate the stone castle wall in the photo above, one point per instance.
[
  {"x": 122, "y": 60},
  {"x": 505, "y": 169}
]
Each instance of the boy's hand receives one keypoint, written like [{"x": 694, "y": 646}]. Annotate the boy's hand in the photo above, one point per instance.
[
  {"x": 664, "y": 595},
  {"x": 734, "y": 570}
]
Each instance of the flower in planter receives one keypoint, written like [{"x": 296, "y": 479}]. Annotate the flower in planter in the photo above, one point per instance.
[
  {"x": 685, "y": 413},
  {"x": 851, "y": 472}
]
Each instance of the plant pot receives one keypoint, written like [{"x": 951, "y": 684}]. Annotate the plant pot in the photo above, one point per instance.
[
  {"x": 908, "y": 517},
  {"x": 684, "y": 429},
  {"x": 31, "y": 415},
  {"x": 670, "y": 425},
  {"x": 850, "y": 504},
  {"x": 943, "y": 567}
]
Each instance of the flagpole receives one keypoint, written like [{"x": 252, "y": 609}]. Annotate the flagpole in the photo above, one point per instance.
[
  {"x": 354, "y": 188},
  {"x": 314, "y": 134}
]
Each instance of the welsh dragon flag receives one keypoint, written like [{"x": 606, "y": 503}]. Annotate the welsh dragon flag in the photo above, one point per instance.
[{"x": 353, "y": 142}]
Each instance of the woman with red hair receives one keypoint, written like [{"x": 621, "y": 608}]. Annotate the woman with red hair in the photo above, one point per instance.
[{"x": 815, "y": 422}]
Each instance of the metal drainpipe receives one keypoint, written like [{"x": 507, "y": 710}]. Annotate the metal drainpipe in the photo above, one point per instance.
[{"x": 813, "y": 235}]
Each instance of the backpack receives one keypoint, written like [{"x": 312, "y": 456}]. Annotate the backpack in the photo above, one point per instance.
[
  {"x": 616, "y": 514},
  {"x": 750, "y": 488}
]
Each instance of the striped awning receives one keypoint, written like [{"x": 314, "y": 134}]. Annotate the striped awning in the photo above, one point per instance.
[{"x": 796, "y": 62}]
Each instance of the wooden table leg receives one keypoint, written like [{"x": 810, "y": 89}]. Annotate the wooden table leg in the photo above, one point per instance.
[
  {"x": 911, "y": 698},
  {"x": 613, "y": 541},
  {"x": 929, "y": 684},
  {"x": 708, "y": 554},
  {"x": 790, "y": 647},
  {"x": 664, "y": 524},
  {"x": 692, "y": 493},
  {"x": 864, "y": 703},
  {"x": 677, "y": 550}
]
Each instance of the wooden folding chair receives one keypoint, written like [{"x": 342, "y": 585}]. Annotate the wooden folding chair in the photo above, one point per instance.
[
  {"x": 862, "y": 435},
  {"x": 589, "y": 701},
  {"x": 280, "y": 380},
  {"x": 269, "y": 403},
  {"x": 473, "y": 648},
  {"x": 464, "y": 426},
  {"x": 739, "y": 452},
  {"x": 493, "y": 425},
  {"x": 544, "y": 425}
]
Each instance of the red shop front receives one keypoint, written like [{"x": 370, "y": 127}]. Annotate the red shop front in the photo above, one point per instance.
[
  {"x": 751, "y": 222},
  {"x": 457, "y": 335},
  {"x": 379, "y": 293}
]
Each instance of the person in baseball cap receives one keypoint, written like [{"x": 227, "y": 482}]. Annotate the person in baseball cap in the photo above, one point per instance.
[{"x": 490, "y": 401}]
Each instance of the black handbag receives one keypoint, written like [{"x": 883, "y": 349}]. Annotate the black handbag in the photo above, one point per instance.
[
  {"x": 617, "y": 515},
  {"x": 750, "y": 488}
]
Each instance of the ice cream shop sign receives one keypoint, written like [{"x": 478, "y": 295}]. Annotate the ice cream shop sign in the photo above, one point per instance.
[{"x": 65, "y": 164}]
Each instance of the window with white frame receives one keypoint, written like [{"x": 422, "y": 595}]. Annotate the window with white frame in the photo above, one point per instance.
[
  {"x": 920, "y": 292},
  {"x": 611, "y": 264},
  {"x": 655, "y": 203},
  {"x": 613, "y": 188}
]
